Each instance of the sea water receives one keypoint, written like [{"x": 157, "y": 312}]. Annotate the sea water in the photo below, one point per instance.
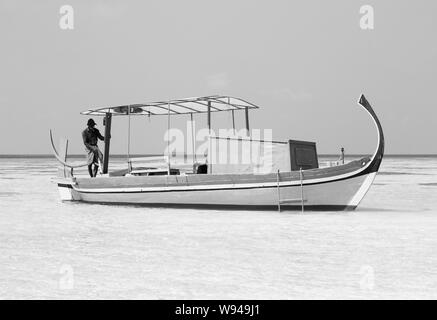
[{"x": 387, "y": 248}]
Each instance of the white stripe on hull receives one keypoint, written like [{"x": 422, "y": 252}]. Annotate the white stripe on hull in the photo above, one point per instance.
[{"x": 363, "y": 189}]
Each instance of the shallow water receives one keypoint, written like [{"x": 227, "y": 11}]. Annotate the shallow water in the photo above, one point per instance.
[{"x": 387, "y": 248}]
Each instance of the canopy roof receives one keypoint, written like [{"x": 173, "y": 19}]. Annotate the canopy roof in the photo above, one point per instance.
[{"x": 180, "y": 106}]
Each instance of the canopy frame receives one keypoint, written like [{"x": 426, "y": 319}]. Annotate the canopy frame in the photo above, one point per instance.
[{"x": 205, "y": 104}]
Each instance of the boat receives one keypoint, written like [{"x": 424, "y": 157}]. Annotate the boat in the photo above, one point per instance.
[{"x": 294, "y": 182}]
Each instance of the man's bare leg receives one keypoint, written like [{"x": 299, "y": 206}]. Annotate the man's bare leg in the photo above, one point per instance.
[
  {"x": 90, "y": 170},
  {"x": 96, "y": 169}
]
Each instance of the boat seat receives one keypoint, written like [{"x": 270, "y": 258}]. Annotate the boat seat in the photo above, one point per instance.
[{"x": 153, "y": 172}]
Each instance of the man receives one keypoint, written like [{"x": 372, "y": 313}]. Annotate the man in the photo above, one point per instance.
[{"x": 94, "y": 155}]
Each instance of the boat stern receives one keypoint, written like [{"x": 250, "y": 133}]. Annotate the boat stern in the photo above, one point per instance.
[{"x": 65, "y": 188}]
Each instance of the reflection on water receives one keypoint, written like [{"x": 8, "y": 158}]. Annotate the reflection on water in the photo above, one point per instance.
[{"x": 385, "y": 249}]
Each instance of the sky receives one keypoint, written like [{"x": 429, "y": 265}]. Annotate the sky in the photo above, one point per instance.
[{"x": 305, "y": 63}]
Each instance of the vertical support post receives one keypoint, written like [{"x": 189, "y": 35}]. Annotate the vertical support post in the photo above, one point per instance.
[
  {"x": 193, "y": 142},
  {"x": 279, "y": 191},
  {"x": 108, "y": 122},
  {"x": 342, "y": 155},
  {"x": 168, "y": 137},
  {"x": 209, "y": 116},
  {"x": 290, "y": 155},
  {"x": 128, "y": 139},
  {"x": 233, "y": 116},
  {"x": 301, "y": 188},
  {"x": 65, "y": 157},
  {"x": 246, "y": 111},
  {"x": 233, "y": 121}
]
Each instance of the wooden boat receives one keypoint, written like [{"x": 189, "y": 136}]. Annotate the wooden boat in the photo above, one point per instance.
[{"x": 304, "y": 186}]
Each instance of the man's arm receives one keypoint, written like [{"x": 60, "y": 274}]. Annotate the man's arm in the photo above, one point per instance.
[{"x": 100, "y": 136}]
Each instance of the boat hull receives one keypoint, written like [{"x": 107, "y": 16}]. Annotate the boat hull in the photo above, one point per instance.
[{"x": 256, "y": 192}]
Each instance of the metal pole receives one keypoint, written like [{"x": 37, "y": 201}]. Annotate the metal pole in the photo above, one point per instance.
[
  {"x": 246, "y": 111},
  {"x": 233, "y": 121},
  {"x": 342, "y": 155},
  {"x": 64, "y": 154},
  {"x": 168, "y": 135},
  {"x": 233, "y": 116},
  {"x": 128, "y": 139},
  {"x": 301, "y": 188},
  {"x": 279, "y": 191},
  {"x": 193, "y": 142},
  {"x": 209, "y": 116},
  {"x": 108, "y": 123}
]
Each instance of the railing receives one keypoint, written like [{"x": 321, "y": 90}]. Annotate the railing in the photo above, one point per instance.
[{"x": 163, "y": 162}]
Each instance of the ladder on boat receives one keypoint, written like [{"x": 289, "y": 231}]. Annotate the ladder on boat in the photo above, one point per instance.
[{"x": 292, "y": 200}]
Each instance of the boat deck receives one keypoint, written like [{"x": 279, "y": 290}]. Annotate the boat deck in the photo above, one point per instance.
[{"x": 218, "y": 179}]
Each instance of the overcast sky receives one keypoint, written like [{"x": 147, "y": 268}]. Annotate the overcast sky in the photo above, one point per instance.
[{"x": 304, "y": 63}]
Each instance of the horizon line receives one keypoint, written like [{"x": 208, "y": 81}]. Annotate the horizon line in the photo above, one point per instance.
[{"x": 47, "y": 155}]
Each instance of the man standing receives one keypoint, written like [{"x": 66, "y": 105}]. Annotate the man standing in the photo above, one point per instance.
[{"x": 94, "y": 155}]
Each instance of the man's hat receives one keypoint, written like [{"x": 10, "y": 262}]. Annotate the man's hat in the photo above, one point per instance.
[{"x": 91, "y": 122}]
